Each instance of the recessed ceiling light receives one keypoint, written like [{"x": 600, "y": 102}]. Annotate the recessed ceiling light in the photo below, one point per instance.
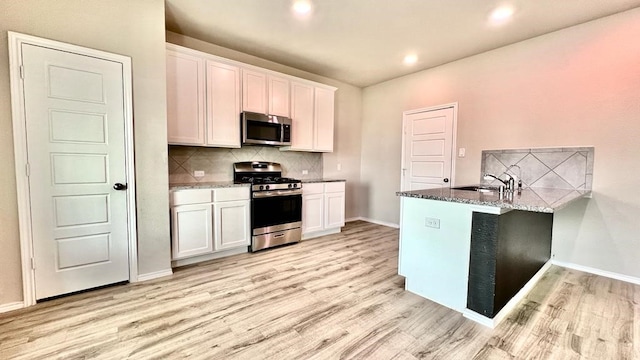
[
  {"x": 501, "y": 15},
  {"x": 302, "y": 7},
  {"x": 410, "y": 59}
]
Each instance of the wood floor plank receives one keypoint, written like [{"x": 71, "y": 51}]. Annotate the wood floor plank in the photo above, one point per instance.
[{"x": 334, "y": 297}]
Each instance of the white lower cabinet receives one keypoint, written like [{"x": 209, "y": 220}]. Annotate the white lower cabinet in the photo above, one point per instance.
[
  {"x": 231, "y": 224},
  {"x": 322, "y": 208},
  {"x": 312, "y": 212},
  {"x": 333, "y": 209},
  {"x": 191, "y": 230},
  {"x": 207, "y": 221}
]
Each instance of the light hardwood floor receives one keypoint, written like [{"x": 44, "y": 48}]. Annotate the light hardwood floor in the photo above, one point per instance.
[{"x": 336, "y": 297}]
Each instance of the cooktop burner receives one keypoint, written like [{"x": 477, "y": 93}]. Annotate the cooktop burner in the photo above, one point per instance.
[
  {"x": 267, "y": 180},
  {"x": 260, "y": 172}
]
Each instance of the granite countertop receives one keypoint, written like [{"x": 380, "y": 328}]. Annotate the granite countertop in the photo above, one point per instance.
[
  {"x": 205, "y": 185},
  {"x": 305, "y": 181},
  {"x": 545, "y": 200}
]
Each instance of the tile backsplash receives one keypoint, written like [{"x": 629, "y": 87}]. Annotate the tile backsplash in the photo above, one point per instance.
[
  {"x": 217, "y": 163},
  {"x": 561, "y": 168}
]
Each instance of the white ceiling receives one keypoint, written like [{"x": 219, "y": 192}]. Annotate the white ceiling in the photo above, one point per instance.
[{"x": 363, "y": 42}]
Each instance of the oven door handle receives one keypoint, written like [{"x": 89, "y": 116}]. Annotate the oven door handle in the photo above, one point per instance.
[{"x": 264, "y": 194}]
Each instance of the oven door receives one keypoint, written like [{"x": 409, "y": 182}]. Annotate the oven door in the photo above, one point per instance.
[{"x": 276, "y": 213}]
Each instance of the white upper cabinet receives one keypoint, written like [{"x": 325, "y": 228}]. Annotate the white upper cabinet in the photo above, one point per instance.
[
  {"x": 265, "y": 93},
  {"x": 223, "y": 105},
  {"x": 301, "y": 116},
  {"x": 312, "y": 113},
  {"x": 206, "y": 94},
  {"x": 203, "y": 99},
  {"x": 254, "y": 91},
  {"x": 185, "y": 98},
  {"x": 324, "y": 118},
  {"x": 278, "y": 96}
]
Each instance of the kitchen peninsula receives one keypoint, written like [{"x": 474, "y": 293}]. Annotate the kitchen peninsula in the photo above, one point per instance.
[{"x": 477, "y": 252}]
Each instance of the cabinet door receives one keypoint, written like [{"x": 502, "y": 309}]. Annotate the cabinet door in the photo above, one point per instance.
[
  {"x": 232, "y": 227},
  {"x": 191, "y": 232},
  {"x": 278, "y": 96},
  {"x": 223, "y": 105},
  {"x": 312, "y": 213},
  {"x": 254, "y": 91},
  {"x": 333, "y": 210},
  {"x": 324, "y": 117},
  {"x": 301, "y": 116},
  {"x": 185, "y": 99}
]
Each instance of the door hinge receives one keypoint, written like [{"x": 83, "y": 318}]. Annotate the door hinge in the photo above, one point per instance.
[
  {"x": 27, "y": 168},
  {"x": 21, "y": 72}
]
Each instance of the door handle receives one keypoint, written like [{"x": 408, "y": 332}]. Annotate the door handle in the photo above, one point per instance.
[
  {"x": 446, "y": 180},
  {"x": 120, "y": 187}
]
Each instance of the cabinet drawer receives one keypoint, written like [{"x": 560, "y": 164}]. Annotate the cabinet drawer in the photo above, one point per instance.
[
  {"x": 231, "y": 194},
  {"x": 334, "y": 187},
  {"x": 313, "y": 188},
  {"x": 194, "y": 196}
]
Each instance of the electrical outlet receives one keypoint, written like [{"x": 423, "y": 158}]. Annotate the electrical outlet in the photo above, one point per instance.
[
  {"x": 339, "y": 167},
  {"x": 198, "y": 173},
  {"x": 305, "y": 172},
  {"x": 432, "y": 223}
]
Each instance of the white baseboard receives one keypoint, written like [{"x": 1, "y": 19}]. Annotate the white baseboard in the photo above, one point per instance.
[
  {"x": 353, "y": 219},
  {"x": 492, "y": 323},
  {"x": 155, "y": 275},
  {"x": 607, "y": 274},
  {"x": 11, "y": 306},
  {"x": 383, "y": 223}
]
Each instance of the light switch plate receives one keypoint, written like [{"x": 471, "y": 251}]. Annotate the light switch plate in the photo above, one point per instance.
[
  {"x": 462, "y": 152},
  {"x": 305, "y": 172}
]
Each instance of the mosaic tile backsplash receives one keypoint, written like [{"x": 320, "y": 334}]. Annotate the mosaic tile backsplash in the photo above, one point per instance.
[
  {"x": 560, "y": 168},
  {"x": 217, "y": 163}
]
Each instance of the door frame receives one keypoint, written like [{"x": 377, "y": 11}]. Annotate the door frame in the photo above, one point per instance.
[
  {"x": 20, "y": 151},
  {"x": 454, "y": 135}
]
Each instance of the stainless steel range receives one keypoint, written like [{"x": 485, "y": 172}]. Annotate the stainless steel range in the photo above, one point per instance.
[{"x": 276, "y": 204}]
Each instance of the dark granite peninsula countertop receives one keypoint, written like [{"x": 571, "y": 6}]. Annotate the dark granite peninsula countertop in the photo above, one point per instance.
[
  {"x": 206, "y": 185},
  {"x": 546, "y": 200}
]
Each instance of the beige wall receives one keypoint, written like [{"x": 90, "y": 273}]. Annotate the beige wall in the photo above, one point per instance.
[
  {"x": 348, "y": 116},
  {"x": 132, "y": 28},
  {"x": 577, "y": 86}
]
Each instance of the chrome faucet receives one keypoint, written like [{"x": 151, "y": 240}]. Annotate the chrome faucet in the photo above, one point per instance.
[
  {"x": 519, "y": 176},
  {"x": 509, "y": 183}
]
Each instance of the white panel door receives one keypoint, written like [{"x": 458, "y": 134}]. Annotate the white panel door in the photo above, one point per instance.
[
  {"x": 302, "y": 116},
  {"x": 428, "y": 141},
  {"x": 324, "y": 119},
  {"x": 232, "y": 223},
  {"x": 185, "y": 99},
  {"x": 74, "y": 108},
  {"x": 223, "y": 105}
]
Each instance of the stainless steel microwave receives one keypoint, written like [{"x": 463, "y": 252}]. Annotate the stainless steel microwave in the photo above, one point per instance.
[{"x": 261, "y": 129}]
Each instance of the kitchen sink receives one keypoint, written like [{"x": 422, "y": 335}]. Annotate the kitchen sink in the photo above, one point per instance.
[{"x": 479, "y": 188}]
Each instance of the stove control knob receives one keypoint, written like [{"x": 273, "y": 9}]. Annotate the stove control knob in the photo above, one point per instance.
[
  {"x": 261, "y": 187},
  {"x": 266, "y": 187},
  {"x": 295, "y": 185},
  {"x": 290, "y": 186}
]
